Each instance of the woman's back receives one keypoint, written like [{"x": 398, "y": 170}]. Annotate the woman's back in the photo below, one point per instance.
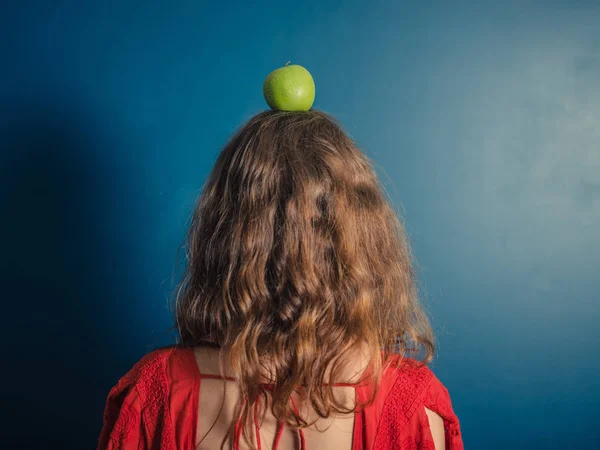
[
  {"x": 213, "y": 423},
  {"x": 175, "y": 398}
]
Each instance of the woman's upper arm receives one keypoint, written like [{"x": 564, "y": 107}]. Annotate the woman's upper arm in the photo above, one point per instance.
[
  {"x": 443, "y": 421},
  {"x": 122, "y": 427},
  {"x": 436, "y": 425}
]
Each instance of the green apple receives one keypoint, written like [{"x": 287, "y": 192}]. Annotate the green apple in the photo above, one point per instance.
[{"x": 289, "y": 88}]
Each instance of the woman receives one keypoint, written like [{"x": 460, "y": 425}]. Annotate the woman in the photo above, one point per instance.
[{"x": 298, "y": 315}]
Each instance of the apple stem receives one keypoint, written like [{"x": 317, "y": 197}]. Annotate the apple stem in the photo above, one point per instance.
[{"x": 287, "y": 63}]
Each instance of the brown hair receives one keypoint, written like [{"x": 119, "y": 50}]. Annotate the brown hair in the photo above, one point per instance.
[{"x": 295, "y": 257}]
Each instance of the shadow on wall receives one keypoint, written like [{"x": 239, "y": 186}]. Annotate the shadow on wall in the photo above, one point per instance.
[{"x": 63, "y": 275}]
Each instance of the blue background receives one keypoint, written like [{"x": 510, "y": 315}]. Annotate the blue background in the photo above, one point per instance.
[{"x": 483, "y": 118}]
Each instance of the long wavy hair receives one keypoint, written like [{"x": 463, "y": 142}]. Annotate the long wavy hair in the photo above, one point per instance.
[{"x": 297, "y": 259}]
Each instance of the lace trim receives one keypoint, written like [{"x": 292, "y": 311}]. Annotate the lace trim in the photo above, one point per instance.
[{"x": 154, "y": 392}]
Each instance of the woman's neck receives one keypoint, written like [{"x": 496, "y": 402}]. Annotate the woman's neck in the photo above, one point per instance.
[{"x": 207, "y": 358}]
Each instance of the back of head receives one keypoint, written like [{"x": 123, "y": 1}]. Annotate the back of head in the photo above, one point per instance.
[{"x": 296, "y": 260}]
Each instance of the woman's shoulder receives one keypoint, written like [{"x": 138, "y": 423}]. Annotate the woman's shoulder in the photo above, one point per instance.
[
  {"x": 415, "y": 384},
  {"x": 148, "y": 366},
  {"x": 413, "y": 387},
  {"x": 405, "y": 371},
  {"x": 144, "y": 390},
  {"x": 408, "y": 381},
  {"x": 154, "y": 371}
]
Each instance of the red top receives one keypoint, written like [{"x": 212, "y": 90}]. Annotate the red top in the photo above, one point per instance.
[{"x": 155, "y": 405}]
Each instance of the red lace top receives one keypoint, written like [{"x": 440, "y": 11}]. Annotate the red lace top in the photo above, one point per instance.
[{"x": 155, "y": 405}]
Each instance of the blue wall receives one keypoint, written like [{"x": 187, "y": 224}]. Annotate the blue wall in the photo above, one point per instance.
[{"x": 484, "y": 121}]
